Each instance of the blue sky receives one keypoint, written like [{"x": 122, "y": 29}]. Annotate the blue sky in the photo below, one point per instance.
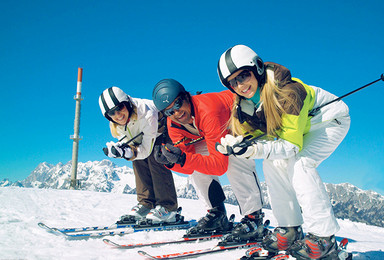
[{"x": 335, "y": 45}]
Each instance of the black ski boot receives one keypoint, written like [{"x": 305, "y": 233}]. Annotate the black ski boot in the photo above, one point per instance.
[
  {"x": 250, "y": 228},
  {"x": 314, "y": 247},
  {"x": 215, "y": 221},
  {"x": 247, "y": 229}
]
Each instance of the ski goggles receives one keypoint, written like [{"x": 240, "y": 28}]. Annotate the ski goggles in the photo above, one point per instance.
[
  {"x": 177, "y": 105},
  {"x": 116, "y": 109},
  {"x": 243, "y": 77}
]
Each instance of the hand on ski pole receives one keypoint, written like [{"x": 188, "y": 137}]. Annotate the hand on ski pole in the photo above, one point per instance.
[
  {"x": 159, "y": 156},
  {"x": 118, "y": 150},
  {"x": 173, "y": 154},
  {"x": 226, "y": 143},
  {"x": 239, "y": 146}
]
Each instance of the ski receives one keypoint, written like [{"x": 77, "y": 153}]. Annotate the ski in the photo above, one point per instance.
[
  {"x": 199, "y": 252},
  {"x": 259, "y": 253},
  {"x": 85, "y": 229},
  {"x": 188, "y": 237},
  {"x": 118, "y": 230},
  {"x": 159, "y": 243},
  {"x": 86, "y": 234}
]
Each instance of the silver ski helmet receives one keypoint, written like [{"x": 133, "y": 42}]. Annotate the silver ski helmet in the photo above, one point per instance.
[
  {"x": 240, "y": 57},
  {"x": 112, "y": 97},
  {"x": 165, "y": 92}
]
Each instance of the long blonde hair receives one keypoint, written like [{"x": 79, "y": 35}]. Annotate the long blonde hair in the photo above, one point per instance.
[
  {"x": 275, "y": 102},
  {"x": 113, "y": 126}
]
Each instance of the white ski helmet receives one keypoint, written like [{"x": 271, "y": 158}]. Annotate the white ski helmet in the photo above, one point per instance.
[
  {"x": 240, "y": 57},
  {"x": 112, "y": 97}
]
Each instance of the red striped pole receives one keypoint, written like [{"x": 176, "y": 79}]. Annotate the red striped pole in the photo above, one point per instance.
[
  {"x": 75, "y": 137},
  {"x": 79, "y": 81}
]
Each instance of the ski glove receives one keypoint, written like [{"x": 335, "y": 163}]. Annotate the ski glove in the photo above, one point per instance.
[
  {"x": 118, "y": 150},
  {"x": 226, "y": 143},
  {"x": 238, "y": 146},
  {"x": 160, "y": 157},
  {"x": 173, "y": 154}
]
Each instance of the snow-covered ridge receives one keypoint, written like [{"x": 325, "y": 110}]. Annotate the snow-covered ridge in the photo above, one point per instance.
[{"x": 349, "y": 202}]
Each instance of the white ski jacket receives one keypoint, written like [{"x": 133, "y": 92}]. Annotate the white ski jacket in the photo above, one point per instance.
[{"x": 146, "y": 122}]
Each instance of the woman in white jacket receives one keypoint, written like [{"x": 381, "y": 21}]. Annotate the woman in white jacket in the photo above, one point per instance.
[
  {"x": 272, "y": 104},
  {"x": 135, "y": 122}
]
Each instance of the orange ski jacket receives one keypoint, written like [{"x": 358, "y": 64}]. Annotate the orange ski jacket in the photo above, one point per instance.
[{"x": 211, "y": 113}]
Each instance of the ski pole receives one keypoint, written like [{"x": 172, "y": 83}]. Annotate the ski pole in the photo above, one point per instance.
[
  {"x": 316, "y": 110},
  {"x": 243, "y": 145},
  {"x": 105, "y": 150},
  {"x": 133, "y": 138},
  {"x": 247, "y": 142}
]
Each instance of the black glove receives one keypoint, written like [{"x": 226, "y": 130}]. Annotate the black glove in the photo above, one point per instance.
[
  {"x": 160, "y": 158},
  {"x": 173, "y": 154}
]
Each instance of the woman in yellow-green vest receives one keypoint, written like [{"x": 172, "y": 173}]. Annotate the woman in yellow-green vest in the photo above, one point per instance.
[{"x": 272, "y": 104}]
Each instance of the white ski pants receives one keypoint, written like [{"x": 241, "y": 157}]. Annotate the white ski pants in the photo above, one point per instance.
[
  {"x": 242, "y": 176},
  {"x": 296, "y": 190}
]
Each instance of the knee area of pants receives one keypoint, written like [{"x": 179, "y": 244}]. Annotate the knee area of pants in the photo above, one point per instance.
[{"x": 306, "y": 162}]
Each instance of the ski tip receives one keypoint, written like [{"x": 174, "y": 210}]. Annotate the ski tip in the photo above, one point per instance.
[
  {"x": 42, "y": 225},
  {"x": 145, "y": 254},
  {"x": 110, "y": 243}
]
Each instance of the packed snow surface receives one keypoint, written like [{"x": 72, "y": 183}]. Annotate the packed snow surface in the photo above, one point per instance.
[{"x": 21, "y": 238}]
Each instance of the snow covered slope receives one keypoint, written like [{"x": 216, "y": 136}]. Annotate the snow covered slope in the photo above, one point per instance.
[
  {"x": 22, "y": 208},
  {"x": 349, "y": 202}
]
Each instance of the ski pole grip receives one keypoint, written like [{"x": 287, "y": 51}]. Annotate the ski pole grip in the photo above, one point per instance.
[{"x": 382, "y": 77}]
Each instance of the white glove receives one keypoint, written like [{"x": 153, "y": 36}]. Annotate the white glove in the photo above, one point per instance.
[
  {"x": 118, "y": 150},
  {"x": 244, "y": 152},
  {"x": 226, "y": 144},
  {"x": 244, "y": 148},
  {"x": 238, "y": 146}
]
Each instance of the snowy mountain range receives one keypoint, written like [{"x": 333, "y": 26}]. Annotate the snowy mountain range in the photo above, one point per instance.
[{"x": 349, "y": 202}]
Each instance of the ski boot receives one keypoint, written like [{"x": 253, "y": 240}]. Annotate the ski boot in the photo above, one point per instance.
[
  {"x": 161, "y": 215},
  {"x": 137, "y": 213},
  {"x": 282, "y": 238},
  {"x": 250, "y": 228},
  {"x": 215, "y": 221},
  {"x": 314, "y": 247}
]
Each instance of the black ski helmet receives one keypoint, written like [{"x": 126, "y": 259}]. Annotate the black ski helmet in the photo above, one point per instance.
[
  {"x": 165, "y": 92},
  {"x": 112, "y": 97},
  {"x": 240, "y": 57}
]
